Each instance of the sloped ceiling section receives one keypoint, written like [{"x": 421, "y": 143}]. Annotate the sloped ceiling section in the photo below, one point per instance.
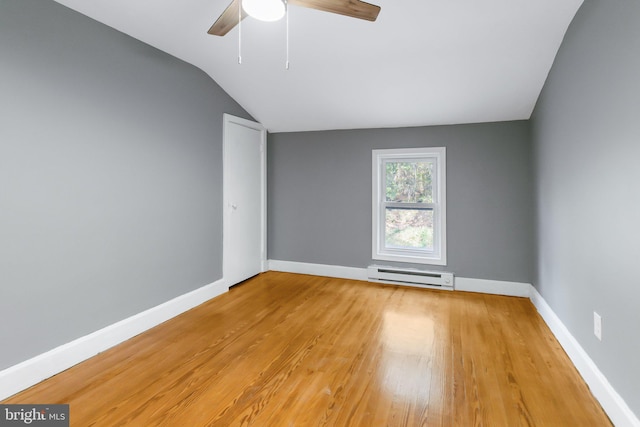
[{"x": 423, "y": 62}]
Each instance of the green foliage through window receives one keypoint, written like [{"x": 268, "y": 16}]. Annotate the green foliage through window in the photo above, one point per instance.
[
  {"x": 409, "y": 228},
  {"x": 409, "y": 182}
]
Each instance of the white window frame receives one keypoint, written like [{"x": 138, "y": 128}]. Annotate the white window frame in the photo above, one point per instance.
[{"x": 379, "y": 252}]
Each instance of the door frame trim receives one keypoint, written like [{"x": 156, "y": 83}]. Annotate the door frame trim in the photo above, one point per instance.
[{"x": 228, "y": 120}]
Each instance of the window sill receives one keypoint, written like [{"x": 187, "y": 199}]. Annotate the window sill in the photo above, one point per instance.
[{"x": 410, "y": 259}]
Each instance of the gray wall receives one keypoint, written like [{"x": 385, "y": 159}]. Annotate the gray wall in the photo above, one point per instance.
[
  {"x": 110, "y": 177},
  {"x": 586, "y": 134},
  {"x": 320, "y": 196}
]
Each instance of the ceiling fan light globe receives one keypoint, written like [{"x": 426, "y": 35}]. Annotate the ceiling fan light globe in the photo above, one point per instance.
[{"x": 264, "y": 10}]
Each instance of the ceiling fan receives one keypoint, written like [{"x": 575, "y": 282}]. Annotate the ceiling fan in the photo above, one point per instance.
[{"x": 232, "y": 14}]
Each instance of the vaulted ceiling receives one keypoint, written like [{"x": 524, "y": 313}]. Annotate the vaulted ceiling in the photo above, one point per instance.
[{"x": 423, "y": 62}]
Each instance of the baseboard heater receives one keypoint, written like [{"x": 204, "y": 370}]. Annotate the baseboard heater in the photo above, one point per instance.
[{"x": 410, "y": 277}]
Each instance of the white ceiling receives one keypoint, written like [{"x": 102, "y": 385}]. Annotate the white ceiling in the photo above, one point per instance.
[{"x": 423, "y": 62}]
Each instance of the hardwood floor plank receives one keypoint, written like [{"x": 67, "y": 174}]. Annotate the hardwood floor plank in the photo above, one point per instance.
[{"x": 296, "y": 350}]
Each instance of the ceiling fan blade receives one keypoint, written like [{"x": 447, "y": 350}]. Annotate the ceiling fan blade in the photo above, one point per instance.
[
  {"x": 353, "y": 8},
  {"x": 227, "y": 20}
]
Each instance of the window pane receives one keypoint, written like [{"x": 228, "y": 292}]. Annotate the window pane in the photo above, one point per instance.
[
  {"x": 409, "y": 228},
  {"x": 409, "y": 182}
]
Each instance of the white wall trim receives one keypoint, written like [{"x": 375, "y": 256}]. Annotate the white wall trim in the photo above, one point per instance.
[
  {"x": 497, "y": 287},
  {"x": 612, "y": 403},
  {"x": 23, "y": 375},
  {"x": 337, "y": 271},
  {"x": 30, "y": 372},
  {"x": 461, "y": 283}
]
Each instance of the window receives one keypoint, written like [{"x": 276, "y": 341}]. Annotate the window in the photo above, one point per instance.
[{"x": 409, "y": 205}]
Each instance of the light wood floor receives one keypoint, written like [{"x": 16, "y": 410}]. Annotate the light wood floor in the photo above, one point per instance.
[{"x": 295, "y": 350}]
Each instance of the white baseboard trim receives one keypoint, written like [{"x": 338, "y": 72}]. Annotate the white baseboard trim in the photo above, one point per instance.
[
  {"x": 461, "y": 283},
  {"x": 497, "y": 287},
  {"x": 615, "y": 407},
  {"x": 41, "y": 367},
  {"x": 336, "y": 271},
  {"x": 30, "y": 372}
]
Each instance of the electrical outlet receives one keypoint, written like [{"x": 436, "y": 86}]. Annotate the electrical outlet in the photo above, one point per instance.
[{"x": 597, "y": 325}]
